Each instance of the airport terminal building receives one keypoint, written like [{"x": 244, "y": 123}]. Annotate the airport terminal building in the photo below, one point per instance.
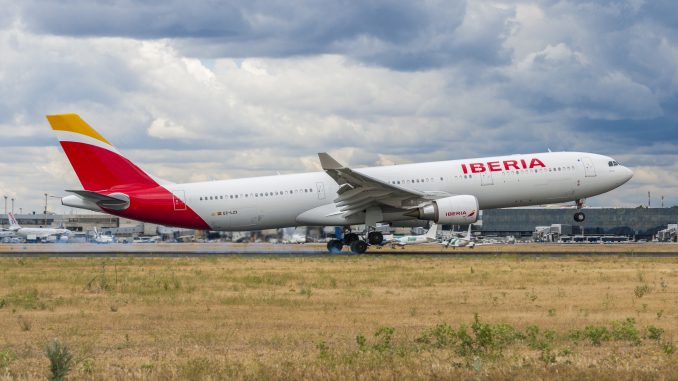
[
  {"x": 631, "y": 222},
  {"x": 639, "y": 223}
]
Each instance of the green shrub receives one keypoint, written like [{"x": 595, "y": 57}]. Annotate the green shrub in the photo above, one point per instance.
[
  {"x": 597, "y": 334},
  {"x": 440, "y": 336},
  {"x": 668, "y": 347},
  {"x": 60, "y": 360},
  {"x": 654, "y": 333},
  {"x": 384, "y": 337},
  {"x": 625, "y": 330}
]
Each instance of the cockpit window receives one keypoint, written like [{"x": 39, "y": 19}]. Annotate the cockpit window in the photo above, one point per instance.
[{"x": 613, "y": 163}]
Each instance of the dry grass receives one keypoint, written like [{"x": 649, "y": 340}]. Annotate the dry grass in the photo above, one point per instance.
[{"x": 299, "y": 317}]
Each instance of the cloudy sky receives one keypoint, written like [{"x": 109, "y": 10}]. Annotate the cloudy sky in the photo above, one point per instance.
[{"x": 198, "y": 90}]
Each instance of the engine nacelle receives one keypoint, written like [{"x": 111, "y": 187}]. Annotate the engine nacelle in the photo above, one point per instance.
[{"x": 453, "y": 210}]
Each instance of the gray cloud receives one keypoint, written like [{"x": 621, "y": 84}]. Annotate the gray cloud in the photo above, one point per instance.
[{"x": 200, "y": 90}]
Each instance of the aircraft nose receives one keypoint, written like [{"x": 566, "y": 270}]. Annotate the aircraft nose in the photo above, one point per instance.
[{"x": 627, "y": 174}]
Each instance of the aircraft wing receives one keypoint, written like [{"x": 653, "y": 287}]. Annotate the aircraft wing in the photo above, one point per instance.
[{"x": 358, "y": 191}]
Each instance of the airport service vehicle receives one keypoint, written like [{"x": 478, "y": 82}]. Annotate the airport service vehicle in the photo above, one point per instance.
[
  {"x": 429, "y": 236},
  {"x": 36, "y": 234},
  {"x": 445, "y": 192}
]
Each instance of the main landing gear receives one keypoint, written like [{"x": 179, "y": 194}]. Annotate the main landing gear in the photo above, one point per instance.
[
  {"x": 375, "y": 238},
  {"x": 579, "y": 216},
  {"x": 352, "y": 240}
]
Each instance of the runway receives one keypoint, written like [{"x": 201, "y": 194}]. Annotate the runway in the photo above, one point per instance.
[{"x": 266, "y": 249}]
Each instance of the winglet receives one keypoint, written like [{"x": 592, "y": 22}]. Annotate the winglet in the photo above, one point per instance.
[{"x": 328, "y": 162}]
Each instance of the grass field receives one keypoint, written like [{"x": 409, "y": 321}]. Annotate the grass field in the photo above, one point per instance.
[{"x": 348, "y": 317}]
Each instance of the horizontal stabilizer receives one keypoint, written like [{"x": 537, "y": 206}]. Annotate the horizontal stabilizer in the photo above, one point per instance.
[{"x": 115, "y": 201}]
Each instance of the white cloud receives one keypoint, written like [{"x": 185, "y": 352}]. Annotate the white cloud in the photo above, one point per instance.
[{"x": 508, "y": 78}]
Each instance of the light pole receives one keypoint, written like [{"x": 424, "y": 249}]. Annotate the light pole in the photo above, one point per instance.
[
  {"x": 6, "y": 207},
  {"x": 12, "y": 205},
  {"x": 45, "y": 214}
]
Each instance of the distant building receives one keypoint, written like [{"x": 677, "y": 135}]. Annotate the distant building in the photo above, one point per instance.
[{"x": 521, "y": 222}]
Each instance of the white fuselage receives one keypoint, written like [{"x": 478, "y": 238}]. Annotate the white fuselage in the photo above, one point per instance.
[
  {"x": 307, "y": 199},
  {"x": 41, "y": 233}
]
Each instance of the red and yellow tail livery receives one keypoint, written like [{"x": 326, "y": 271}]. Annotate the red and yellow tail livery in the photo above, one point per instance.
[{"x": 112, "y": 183}]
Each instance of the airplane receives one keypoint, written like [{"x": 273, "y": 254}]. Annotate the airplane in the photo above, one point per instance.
[
  {"x": 102, "y": 238},
  {"x": 429, "y": 236},
  {"x": 445, "y": 192},
  {"x": 4, "y": 233},
  {"x": 466, "y": 241},
  {"x": 36, "y": 233}
]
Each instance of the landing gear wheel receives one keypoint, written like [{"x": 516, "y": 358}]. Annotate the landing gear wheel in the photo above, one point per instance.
[
  {"x": 349, "y": 238},
  {"x": 579, "y": 217},
  {"x": 375, "y": 238},
  {"x": 334, "y": 246},
  {"x": 359, "y": 247}
]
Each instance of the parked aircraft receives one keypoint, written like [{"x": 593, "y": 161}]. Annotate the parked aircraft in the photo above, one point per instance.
[
  {"x": 429, "y": 236},
  {"x": 6, "y": 233},
  {"x": 466, "y": 241},
  {"x": 445, "y": 192},
  {"x": 36, "y": 233}
]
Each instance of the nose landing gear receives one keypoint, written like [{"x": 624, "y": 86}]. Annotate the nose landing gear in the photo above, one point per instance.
[{"x": 579, "y": 216}]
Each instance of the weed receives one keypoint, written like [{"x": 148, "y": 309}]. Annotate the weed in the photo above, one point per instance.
[
  {"x": 24, "y": 323},
  {"x": 596, "y": 334},
  {"x": 27, "y": 298},
  {"x": 668, "y": 347},
  {"x": 60, "y": 360},
  {"x": 539, "y": 340},
  {"x": 6, "y": 357},
  {"x": 547, "y": 356},
  {"x": 654, "y": 333},
  {"x": 552, "y": 312},
  {"x": 440, "y": 336},
  {"x": 88, "y": 366},
  {"x": 659, "y": 314},
  {"x": 384, "y": 336},
  {"x": 642, "y": 290},
  {"x": 487, "y": 340},
  {"x": 199, "y": 368},
  {"x": 324, "y": 350},
  {"x": 362, "y": 343},
  {"x": 625, "y": 330},
  {"x": 306, "y": 291}
]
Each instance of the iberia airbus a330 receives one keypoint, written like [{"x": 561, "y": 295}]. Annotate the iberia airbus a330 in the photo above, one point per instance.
[{"x": 445, "y": 192}]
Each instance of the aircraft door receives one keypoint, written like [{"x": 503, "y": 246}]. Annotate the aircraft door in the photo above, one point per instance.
[
  {"x": 321, "y": 190},
  {"x": 486, "y": 178},
  {"x": 589, "y": 168},
  {"x": 178, "y": 197}
]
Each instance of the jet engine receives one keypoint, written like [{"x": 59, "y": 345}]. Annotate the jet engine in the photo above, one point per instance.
[{"x": 453, "y": 210}]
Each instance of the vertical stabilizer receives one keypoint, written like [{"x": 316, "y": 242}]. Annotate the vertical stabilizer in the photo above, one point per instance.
[
  {"x": 97, "y": 163},
  {"x": 432, "y": 231},
  {"x": 13, "y": 224}
]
